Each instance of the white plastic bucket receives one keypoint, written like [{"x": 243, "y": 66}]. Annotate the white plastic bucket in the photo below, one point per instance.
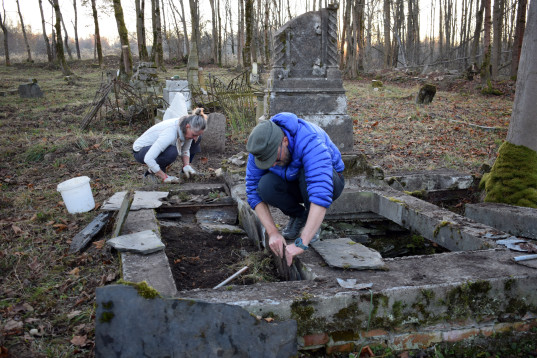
[{"x": 77, "y": 195}]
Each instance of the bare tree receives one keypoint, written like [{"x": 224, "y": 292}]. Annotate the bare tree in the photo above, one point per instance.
[
  {"x": 66, "y": 39},
  {"x": 140, "y": 30},
  {"x": 6, "y": 34},
  {"x": 180, "y": 49},
  {"x": 477, "y": 32},
  {"x": 60, "y": 55},
  {"x": 75, "y": 25},
  {"x": 387, "y": 37},
  {"x": 240, "y": 35},
  {"x": 512, "y": 178},
  {"x": 193, "y": 56},
  {"x": 45, "y": 37},
  {"x": 157, "y": 52},
  {"x": 485, "y": 66},
  {"x": 214, "y": 44},
  {"x": 29, "y": 59},
  {"x": 497, "y": 38},
  {"x": 97, "y": 33},
  {"x": 125, "y": 65},
  {"x": 248, "y": 19},
  {"x": 164, "y": 33},
  {"x": 183, "y": 20},
  {"x": 519, "y": 35}
]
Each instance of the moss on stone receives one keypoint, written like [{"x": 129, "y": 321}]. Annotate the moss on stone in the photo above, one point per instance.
[
  {"x": 470, "y": 299},
  {"x": 106, "y": 317},
  {"x": 420, "y": 194},
  {"x": 345, "y": 336},
  {"x": 439, "y": 226},
  {"x": 513, "y": 178},
  {"x": 143, "y": 289}
]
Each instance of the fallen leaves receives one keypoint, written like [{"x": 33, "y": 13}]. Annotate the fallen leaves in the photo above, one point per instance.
[
  {"x": 75, "y": 272},
  {"x": 99, "y": 244},
  {"x": 17, "y": 230},
  {"x": 80, "y": 341}
]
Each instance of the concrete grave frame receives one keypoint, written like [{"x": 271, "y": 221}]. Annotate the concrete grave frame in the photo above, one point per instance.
[{"x": 475, "y": 290}]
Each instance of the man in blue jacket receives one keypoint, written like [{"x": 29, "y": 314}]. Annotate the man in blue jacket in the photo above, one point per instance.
[{"x": 294, "y": 166}]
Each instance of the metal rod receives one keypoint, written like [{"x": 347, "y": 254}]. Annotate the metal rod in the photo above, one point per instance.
[
  {"x": 230, "y": 278},
  {"x": 525, "y": 257}
]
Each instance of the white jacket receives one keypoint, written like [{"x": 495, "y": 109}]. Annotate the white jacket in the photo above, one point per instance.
[{"x": 159, "y": 137}]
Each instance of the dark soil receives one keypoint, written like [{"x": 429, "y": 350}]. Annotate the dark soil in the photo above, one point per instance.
[{"x": 203, "y": 260}]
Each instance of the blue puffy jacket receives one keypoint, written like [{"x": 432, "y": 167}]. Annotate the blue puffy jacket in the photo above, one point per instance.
[{"x": 311, "y": 149}]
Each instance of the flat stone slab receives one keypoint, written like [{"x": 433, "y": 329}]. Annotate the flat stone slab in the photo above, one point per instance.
[
  {"x": 345, "y": 253},
  {"x": 148, "y": 199},
  {"x": 184, "y": 328},
  {"x": 222, "y": 229},
  {"x": 152, "y": 268},
  {"x": 516, "y": 220},
  {"x": 143, "y": 242},
  {"x": 114, "y": 202}
]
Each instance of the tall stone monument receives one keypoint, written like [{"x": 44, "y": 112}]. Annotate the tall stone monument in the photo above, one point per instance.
[{"x": 305, "y": 78}]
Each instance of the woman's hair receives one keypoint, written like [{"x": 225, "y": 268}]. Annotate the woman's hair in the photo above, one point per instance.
[{"x": 197, "y": 121}]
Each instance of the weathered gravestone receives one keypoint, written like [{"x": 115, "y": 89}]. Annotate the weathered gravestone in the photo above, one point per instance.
[
  {"x": 305, "y": 78},
  {"x": 133, "y": 323},
  {"x": 30, "y": 90},
  {"x": 214, "y": 138}
]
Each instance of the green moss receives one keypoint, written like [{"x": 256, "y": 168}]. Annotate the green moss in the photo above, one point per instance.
[
  {"x": 106, "y": 317},
  {"x": 420, "y": 194},
  {"x": 509, "y": 284},
  {"x": 439, "y": 226},
  {"x": 470, "y": 299},
  {"x": 108, "y": 305},
  {"x": 513, "y": 177},
  {"x": 394, "y": 200},
  {"x": 143, "y": 289}
]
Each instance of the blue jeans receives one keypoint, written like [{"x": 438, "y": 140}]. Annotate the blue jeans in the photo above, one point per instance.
[
  {"x": 289, "y": 195},
  {"x": 164, "y": 159}
]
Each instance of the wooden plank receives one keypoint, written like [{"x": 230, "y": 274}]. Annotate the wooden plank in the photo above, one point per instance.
[
  {"x": 81, "y": 240},
  {"x": 122, "y": 213}
]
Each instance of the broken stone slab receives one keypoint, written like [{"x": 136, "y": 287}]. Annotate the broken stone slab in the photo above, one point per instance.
[
  {"x": 83, "y": 238},
  {"x": 516, "y": 220},
  {"x": 114, "y": 202},
  {"x": 30, "y": 90},
  {"x": 222, "y": 229},
  {"x": 345, "y": 253},
  {"x": 143, "y": 242},
  {"x": 148, "y": 199},
  {"x": 172, "y": 327}
]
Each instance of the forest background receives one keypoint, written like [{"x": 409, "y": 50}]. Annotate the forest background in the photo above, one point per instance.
[{"x": 373, "y": 34}]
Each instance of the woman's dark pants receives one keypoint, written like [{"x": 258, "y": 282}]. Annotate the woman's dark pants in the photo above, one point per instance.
[{"x": 164, "y": 159}]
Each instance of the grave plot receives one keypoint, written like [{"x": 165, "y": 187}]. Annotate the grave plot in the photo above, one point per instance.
[{"x": 470, "y": 286}]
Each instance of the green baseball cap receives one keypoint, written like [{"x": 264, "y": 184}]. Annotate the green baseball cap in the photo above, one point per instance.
[{"x": 263, "y": 143}]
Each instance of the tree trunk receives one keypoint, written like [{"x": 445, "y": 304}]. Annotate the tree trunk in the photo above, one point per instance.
[
  {"x": 59, "y": 47},
  {"x": 387, "y": 37},
  {"x": 477, "y": 32},
  {"x": 485, "y": 66},
  {"x": 45, "y": 37},
  {"x": 66, "y": 40},
  {"x": 6, "y": 37},
  {"x": 177, "y": 32},
  {"x": 193, "y": 57},
  {"x": 497, "y": 39},
  {"x": 346, "y": 43},
  {"x": 248, "y": 19},
  {"x": 214, "y": 47},
  {"x": 76, "y": 31},
  {"x": 219, "y": 34},
  {"x": 519, "y": 35},
  {"x": 126, "y": 63},
  {"x": 29, "y": 59},
  {"x": 266, "y": 33},
  {"x": 157, "y": 52},
  {"x": 164, "y": 31},
  {"x": 240, "y": 35},
  {"x": 140, "y": 30},
  {"x": 183, "y": 20},
  {"x": 512, "y": 179},
  {"x": 97, "y": 34},
  {"x": 359, "y": 12}
]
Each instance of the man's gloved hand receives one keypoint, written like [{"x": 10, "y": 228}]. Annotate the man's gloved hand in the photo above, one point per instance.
[
  {"x": 170, "y": 179},
  {"x": 188, "y": 170}
]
